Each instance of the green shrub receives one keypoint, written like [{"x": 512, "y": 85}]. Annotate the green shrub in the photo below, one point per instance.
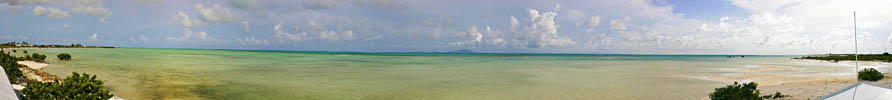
[
  {"x": 64, "y": 56},
  {"x": 745, "y": 91},
  {"x": 35, "y": 57},
  {"x": 870, "y": 74},
  {"x": 74, "y": 87},
  {"x": 11, "y": 67}
]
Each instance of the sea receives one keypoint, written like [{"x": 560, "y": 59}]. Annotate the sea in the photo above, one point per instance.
[{"x": 197, "y": 74}]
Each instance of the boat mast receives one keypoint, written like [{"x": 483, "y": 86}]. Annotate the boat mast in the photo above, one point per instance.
[{"x": 855, "y": 18}]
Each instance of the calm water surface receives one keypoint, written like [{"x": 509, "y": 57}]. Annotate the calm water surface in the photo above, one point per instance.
[{"x": 141, "y": 74}]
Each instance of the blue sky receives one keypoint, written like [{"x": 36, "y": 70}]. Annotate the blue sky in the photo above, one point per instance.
[{"x": 539, "y": 26}]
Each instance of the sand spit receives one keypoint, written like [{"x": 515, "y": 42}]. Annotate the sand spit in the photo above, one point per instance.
[{"x": 33, "y": 64}]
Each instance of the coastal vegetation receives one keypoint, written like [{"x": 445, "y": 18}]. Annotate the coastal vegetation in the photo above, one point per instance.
[
  {"x": 25, "y": 44},
  {"x": 64, "y": 56},
  {"x": 839, "y": 57},
  {"x": 10, "y": 66},
  {"x": 33, "y": 57},
  {"x": 75, "y": 87},
  {"x": 745, "y": 91},
  {"x": 870, "y": 74}
]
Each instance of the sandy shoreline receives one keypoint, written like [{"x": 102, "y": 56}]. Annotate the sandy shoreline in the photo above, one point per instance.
[
  {"x": 815, "y": 89},
  {"x": 33, "y": 71},
  {"x": 33, "y": 64}
]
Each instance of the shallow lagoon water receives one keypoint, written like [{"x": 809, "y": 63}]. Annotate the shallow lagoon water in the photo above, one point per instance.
[{"x": 141, "y": 74}]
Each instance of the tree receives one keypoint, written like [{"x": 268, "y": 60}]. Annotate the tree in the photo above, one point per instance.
[
  {"x": 885, "y": 53},
  {"x": 75, "y": 87},
  {"x": 870, "y": 74},
  {"x": 64, "y": 56}
]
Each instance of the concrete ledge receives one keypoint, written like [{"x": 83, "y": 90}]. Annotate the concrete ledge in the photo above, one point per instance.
[{"x": 6, "y": 91}]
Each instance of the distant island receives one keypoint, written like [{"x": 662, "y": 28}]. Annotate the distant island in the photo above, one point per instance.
[
  {"x": 26, "y": 45},
  {"x": 886, "y": 57}
]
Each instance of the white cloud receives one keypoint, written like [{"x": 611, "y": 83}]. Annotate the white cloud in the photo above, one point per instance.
[
  {"x": 543, "y": 31},
  {"x": 215, "y": 13},
  {"x": 50, "y": 12},
  {"x": 252, "y": 41},
  {"x": 94, "y": 38},
  {"x": 514, "y": 22},
  {"x": 66, "y": 26},
  {"x": 89, "y": 7},
  {"x": 473, "y": 33},
  {"x": 195, "y": 37},
  {"x": 246, "y": 26},
  {"x": 186, "y": 21},
  {"x": 595, "y": 21},
  {"x": 889, "y": 39},
  {"x": 620, "y": 24},
  {"x": 285, "y": 36}
]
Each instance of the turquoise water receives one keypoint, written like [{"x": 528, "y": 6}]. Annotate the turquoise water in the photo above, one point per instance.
[{"x": 140, "y": 74}]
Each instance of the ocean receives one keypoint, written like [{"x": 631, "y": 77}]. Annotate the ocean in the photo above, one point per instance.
[{"x": 142, "y": 74}]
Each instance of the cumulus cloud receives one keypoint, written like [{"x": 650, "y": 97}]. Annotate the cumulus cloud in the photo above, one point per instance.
[
  {"x": 252, "y": 41},
  {"x": 542, "y": 31},
  {"x": 620, "y": 24},
  {"x": 94, "y": 38},
  {"x": 285, "y": 36},
  {"x": 215, "y": 13},
  {"x": 889, "y": 39},
  {"x": 514, "y": 22},
  {"x": 195, "y": 37},
  {"x": 472, "y": 32},
  {"x": 186, "y": 21},
  {"x": 50, "y": 12},
  {"x": 593, "y": 22}
]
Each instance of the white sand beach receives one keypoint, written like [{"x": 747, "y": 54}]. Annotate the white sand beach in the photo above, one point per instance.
[{"x": 33, "y": 64}]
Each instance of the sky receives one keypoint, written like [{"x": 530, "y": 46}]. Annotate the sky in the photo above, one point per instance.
[{"x": 775, "y": 27}]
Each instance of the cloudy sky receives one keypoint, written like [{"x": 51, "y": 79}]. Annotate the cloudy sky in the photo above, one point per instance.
[{"x": 537, "y": 26}]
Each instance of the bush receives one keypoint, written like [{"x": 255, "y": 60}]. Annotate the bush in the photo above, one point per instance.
[
  {"x": 11, "y": 67},
  {"x": 870, "y": 74},
  {"x": 64, "y": 56},
  {"x": 745, "y": 91},
  {"x": 74, "y": 87},
  {"x": 35, "y": 57}
]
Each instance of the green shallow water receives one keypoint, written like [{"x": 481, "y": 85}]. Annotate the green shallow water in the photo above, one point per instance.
[{"x": 142, "y": 74}]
